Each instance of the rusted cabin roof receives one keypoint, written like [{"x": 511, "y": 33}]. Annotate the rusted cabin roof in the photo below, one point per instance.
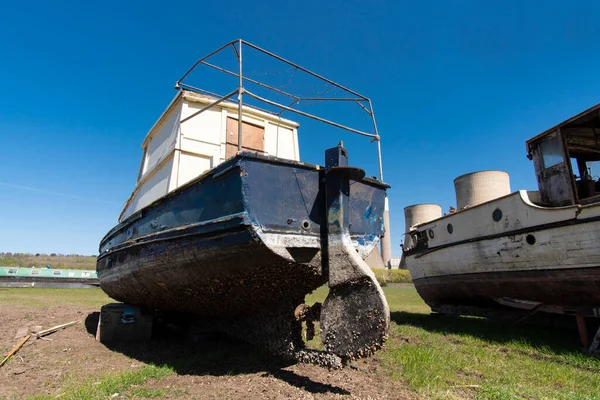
[{"x": 581, "y": 129}]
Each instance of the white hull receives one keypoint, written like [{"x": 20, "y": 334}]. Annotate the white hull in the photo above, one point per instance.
[{"x": 536, "y": 253}]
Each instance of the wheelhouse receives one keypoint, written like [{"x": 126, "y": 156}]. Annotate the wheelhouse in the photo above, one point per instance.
[{"x": 567, "y": 160}]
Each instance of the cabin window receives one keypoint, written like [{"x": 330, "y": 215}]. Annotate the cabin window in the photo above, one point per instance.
[
  {"x": 587, "y": 181},
  {"x": 12, "y": 271},
  {"x": 57, "y": 273},
  {"x": 551, "y": 150},
  {"x": 35, "y": 272},
  {"x": 574, "y": 167},
  {"x": 593, "y": 170}
]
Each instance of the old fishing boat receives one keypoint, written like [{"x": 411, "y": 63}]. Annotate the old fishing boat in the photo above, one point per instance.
[
  {"x": 528, "y": 250},
  {"x": 228, "y": 224}
]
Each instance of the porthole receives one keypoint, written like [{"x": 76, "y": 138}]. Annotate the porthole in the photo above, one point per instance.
[
  {"x": 431, "y": 234},
  {"x": 305, "y": 224},
  {"x": 497, "y": 215},
  {"x": 450, "y": 228},
  {"x": 530, "y": 239}
]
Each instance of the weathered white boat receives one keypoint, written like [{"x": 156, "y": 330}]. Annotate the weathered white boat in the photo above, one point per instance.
[{"x": 535, "y": 248}]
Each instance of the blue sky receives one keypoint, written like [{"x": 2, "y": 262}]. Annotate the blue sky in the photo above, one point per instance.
[{"x": 456, "y": 86}]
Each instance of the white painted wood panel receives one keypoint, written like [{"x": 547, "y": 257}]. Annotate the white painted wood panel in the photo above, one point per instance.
[
  {"x": 162, "y": 141},
  {"x": 198, "y": 144},
  {"x": 199, "y": 147},
  {"x": 192, "y": 166},
  {"x": 271, "y": 139},
  {"x": 281, "y": 142},
  {"x": 156, "y": 186},
  {"x": 574, "y": 246},
  {"x": 205, "y": 126},
  {"x": 285, "y": 143},
  {"x": 517, "y": 212}
]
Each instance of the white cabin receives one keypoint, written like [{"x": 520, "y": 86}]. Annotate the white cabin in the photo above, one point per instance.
[{"x": 181, "y": 146}]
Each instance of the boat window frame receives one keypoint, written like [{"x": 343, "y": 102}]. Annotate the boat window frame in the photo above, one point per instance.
[
  {"x": 542, "y": 171},
  {"x": 580, "y": 136},
  {"x": 551, "y": 143}
]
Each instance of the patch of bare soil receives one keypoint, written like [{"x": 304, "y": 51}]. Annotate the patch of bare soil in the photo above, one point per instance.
[
  {"x": 295, "y": 382},
  {"x": 209, "y": 367},
  {"x": 43, "y": 366}
]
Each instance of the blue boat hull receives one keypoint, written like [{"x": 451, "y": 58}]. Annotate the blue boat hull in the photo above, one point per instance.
[{"x": 243, "y": 239}]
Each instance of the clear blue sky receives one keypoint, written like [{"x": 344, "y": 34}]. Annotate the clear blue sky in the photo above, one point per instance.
[{"x": 457, "y": 87}]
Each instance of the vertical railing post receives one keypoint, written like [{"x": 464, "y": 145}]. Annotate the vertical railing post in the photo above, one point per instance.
[
  {"x": 386, "y": 240},
  {"x": 377, "y": 137},
  {"x": 240, "y": 92}
]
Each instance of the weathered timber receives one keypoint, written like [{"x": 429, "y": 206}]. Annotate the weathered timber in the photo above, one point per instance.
[{"x": 15, "y": 349}]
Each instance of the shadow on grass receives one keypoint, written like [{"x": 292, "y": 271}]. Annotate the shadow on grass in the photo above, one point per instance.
[
  {"x": 559, "y": 340},
  {"x": 211, "y": 354}
]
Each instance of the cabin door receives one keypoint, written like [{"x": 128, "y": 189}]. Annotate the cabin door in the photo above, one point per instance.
[
  {"x": 253, "y": 138},
  {"x": 553, "y": 171}
]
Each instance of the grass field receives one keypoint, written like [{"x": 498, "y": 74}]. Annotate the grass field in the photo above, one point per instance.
[
  {"x": 386, "y": 276},
  {"x": 436, "y": 357},
  {"x": 40, "y": 298},
  {"x": 41, "y": 260},
  {"x": 473, "y": 357}
]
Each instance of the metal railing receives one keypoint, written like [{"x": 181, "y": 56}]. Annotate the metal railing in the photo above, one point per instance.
[{"x": 238, "y": 46}]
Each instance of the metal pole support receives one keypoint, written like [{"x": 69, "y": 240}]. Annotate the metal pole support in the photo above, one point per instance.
[{"x": 240, "y": 92}]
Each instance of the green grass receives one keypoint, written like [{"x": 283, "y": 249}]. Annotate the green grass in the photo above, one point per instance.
[
  {"x": 466, "y": 357},
  {"x": 148, "y": 393},
  {"x": 385, "y": 276},
  {"x": 40, "y": 298},
  {"x": 438, "y": 357},
  {"x": 318, "y": 295},
  {"x": 124, "y": 383}
]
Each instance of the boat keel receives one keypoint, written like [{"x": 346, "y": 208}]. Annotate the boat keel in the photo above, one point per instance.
[{"x": 355, "y": 316}]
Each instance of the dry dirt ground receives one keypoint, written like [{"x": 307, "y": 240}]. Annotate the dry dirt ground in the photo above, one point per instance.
[{"x": 208, "y": 368}]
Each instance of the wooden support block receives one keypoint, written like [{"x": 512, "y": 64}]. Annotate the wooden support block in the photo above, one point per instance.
[
  {"x": 595, "y": 346},
  {"x": 583, "y": 333},
  {"x": 122, "y": 322}
]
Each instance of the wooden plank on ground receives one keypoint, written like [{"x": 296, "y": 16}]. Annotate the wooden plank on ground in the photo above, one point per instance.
[{"x": 15, "y": 349}]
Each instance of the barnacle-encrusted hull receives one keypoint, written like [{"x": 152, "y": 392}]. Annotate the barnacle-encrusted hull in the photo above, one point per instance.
[{"x": 241, "y": 242}]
